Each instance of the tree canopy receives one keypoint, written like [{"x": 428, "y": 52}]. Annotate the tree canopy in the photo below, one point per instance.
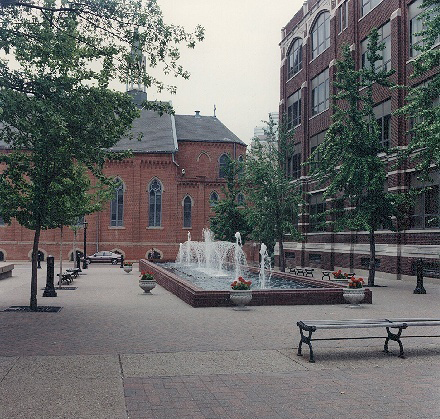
[
  {"x": 348, "y": 163},
  {"x": 230, "y": 215},
  {"x": 273, "y": 199},
  {"x": 57, "y": 115}
]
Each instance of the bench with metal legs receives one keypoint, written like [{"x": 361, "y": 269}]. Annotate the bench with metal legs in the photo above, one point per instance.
[{"x": 311, "y": 326}]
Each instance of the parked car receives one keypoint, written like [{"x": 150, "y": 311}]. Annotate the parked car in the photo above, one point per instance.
[{"x": 104, "y": 256}]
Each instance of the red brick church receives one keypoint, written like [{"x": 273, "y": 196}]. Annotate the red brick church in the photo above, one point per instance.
[{"x": 167, "y": 188}]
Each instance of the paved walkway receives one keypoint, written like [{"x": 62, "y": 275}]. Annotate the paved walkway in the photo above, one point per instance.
[{"x": 113, "y": 352}]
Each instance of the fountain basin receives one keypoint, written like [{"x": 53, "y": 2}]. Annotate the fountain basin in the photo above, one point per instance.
[{"x": 325, "y": 293}]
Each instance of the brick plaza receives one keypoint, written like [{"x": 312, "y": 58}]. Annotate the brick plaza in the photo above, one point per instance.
[{"x": 112, "y": 352}]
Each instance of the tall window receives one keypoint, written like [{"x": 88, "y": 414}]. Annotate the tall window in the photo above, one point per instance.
[
  {"x": 385, "y": 38},
  {"x": 294, "y": 109},
  {"x": 321, "y": 34},
  {"x": 320, "y": 92},
  {"x": 155, "y": 204},
  {"x": 117, "y": 206},
  {"x": 294, "y": 64},
  {"x": 382, "y": 113},
  {"x": 315, "y": 141},
  {"x": 240, "y": 199},
  {"x": 187, "y": 210},
  {"x": 213, "y": 199},
  {"x": 294, "y": 163},
  {"x": 416, "y": 25},
  {"x": 223, "y": 164},
  {"x": 426, "y": 213},
  {"x": 316, "y": 212},
  {"x": 367, "y": 5},
  {"x": 2, "y": 222},
  {"x": 343, "y": 16}
]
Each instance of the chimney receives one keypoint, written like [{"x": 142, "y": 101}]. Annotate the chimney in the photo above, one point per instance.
[{"x": 197, "y": 115}]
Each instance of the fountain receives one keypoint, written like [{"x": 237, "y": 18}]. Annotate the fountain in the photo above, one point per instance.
[
  {"x": 213, "y": 258},
  {"x": 204, "y": 270}
]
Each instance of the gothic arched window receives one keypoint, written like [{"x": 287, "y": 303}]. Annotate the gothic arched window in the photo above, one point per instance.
[
  {"x": 213, "y": 199},
  {"x": 117, "y": 206},
  {"x": 187, "y": 210},
  {"x": 155, "y": 204},
  {"x": 223, "y": 164}
]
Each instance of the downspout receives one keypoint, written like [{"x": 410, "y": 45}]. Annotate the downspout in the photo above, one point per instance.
[{"x": 176, "y": 146}]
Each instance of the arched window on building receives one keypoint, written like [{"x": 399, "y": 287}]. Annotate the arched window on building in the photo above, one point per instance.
[
  {"x": 223, "y": 164},
  {"x": 321, "y": 34},
  {"x": 187, "y": 212},
  {"x": 155, "y": 204},
  {"x": 294, "y": 58},
  {"x": 240, "y": 199},
  {"x": 117, "y": 205},
  {"x": 213, "y": 199},
  {"x": 2, "y": 256}
]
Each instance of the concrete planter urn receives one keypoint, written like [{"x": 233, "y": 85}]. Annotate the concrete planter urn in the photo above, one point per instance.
[
  {"x": 240, "y": 298},
  {"x": 128, "y": 268},
  {"x": 354, "y": 296},
  {"x": 147, "y": 282},
  {"x": 147, "y": 285}
]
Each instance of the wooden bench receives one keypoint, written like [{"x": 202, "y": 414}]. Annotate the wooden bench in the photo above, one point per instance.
[{"x": 311, "y": 326}]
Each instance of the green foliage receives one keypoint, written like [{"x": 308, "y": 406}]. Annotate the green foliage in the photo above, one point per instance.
[
  {"x": 273, "y": 199},
  {"x": 423, "y": 101},
  {"x": 350, "y": 166},
  {"x": 57, "y": 115},
  {"x": 230, "y": 217},
  {"x": 109, "y": 29}
]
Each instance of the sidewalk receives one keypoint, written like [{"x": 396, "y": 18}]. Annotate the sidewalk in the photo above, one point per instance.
[{"x": 113, "y": 352}]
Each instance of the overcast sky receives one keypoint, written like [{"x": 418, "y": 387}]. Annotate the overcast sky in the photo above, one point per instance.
[{"x": 237, "y": 66}]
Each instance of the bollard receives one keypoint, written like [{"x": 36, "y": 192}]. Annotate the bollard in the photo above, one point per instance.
[
  {"x": 122, "y": 261},
  {"x": 39, "y": 260},
  {"x": 419, "y": 270},
  {"x": 49, "y": 291},
  {"x": 78, "y": 260}
]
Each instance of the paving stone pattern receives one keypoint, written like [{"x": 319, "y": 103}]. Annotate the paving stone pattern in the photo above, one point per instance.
[{"x": 115, "y": 353}]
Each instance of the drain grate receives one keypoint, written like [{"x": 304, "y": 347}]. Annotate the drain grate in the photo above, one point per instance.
[
  {"x": 63, "y": 288},
  {"x": 40, "y": 309}
]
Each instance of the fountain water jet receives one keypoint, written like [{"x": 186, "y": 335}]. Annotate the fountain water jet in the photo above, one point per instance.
[
  {"x": 265, "y": 265},
  {"x": 215, "y": 258}
]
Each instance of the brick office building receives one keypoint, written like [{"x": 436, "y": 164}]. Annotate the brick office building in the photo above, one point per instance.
[
  {"x": 311, "y": 42},
  {"x": 168, "y": 187}
]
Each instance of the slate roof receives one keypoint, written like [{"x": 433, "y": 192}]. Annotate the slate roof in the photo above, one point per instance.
[
  {"x": 203, "y": 128},
  {"x": 157, "y": 134},
  {"x": 161, "y": 134}
]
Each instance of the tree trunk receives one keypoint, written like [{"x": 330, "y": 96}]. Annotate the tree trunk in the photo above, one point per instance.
[
  {"x": 372, "y": 267},
  {"x": 282, "y": 256},
  {"x": 33, "y": 302}
]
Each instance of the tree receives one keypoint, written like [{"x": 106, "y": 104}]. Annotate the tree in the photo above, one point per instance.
[
  {"x": 272, "y": 197},
  {"x": 423, "y": 100},
  {"x": 56, "y": 111},
  {"x": 230, "y": 215},
  {"x": 348, "y": 161}
]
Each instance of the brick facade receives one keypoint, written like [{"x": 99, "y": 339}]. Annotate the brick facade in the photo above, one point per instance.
[
  {"x": 396, "y": 251},
  {"x": 192, "y": 170}
]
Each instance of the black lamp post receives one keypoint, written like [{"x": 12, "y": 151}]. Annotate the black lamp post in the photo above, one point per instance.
[{"x": 85, "y": 242}]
